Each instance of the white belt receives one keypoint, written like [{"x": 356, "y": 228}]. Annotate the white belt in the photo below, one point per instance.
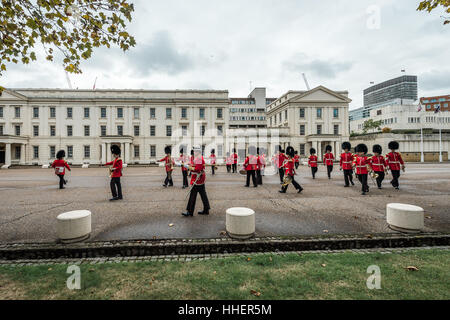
[
  {"x": 361, "y": 166},
  {"x": 394, "y": 162},
  {"x": 313, "y": 161},
  {"x": 346, "y": 162}
]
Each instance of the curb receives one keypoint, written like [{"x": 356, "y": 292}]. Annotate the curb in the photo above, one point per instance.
[{"x": 146, "y": 248}]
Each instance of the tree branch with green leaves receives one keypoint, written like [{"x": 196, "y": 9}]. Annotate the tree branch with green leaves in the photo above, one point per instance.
[{"x": 430, "y": 5}]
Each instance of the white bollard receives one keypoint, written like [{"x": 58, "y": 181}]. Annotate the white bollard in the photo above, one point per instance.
[
  {"x": 85, "y": 166},
  {"x": 125, "y": 165},
  {"x": 45, "y": 166},
  {"x": 74, "y": 226},
  {"x": 405, "y": 217},
  {"x": 6, "y": 166},
  {"x": 240, "y": 223}
]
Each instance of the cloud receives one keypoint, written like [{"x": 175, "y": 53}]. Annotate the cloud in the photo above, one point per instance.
[
  {"x": 435, "y": 80},
  {"x": 321, "y": 68}
]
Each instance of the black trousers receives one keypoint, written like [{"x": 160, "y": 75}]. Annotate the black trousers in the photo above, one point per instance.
[
  {"x": 380, "y": 178},
  {"x": 296, "y": 165},
  {"x": 193, "y": 198},
  {"x": 234, "y": 167},
  {"x": 168, "y": 180},
  {"x": 296, "y": 185},
  {"x": 228, "y": 168},
  {"x": 314, "y": 171},
  {"x": 185, "y": 179},
  {"x": 258, "y": 177},
  {"x": 363, "y": 179},
  {"x": 348, "y": 177},
  {"x": 115, "y": 183},
  {"x": 281, "y": 173},
  {"x": 251, "y": 173},
  {"x": 329, "y": 171},
  {"x": 395, "y": 177},
  {"x": 62, "y": 182},
  {"x": 213, "y": 172}
]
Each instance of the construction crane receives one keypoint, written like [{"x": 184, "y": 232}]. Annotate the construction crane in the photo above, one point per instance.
[
  {"x": 306, "y": 81},
  {"x": 68, "y": 80}
]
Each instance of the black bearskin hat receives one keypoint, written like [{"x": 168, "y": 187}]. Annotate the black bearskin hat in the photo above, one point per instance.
[
  {"x": 61, "y": 154},
  {"x": 213, "y": 151},
  {"x": 234, "y": 150},
  {"x": 168, "y": 150},
  {"x": 394, "y": 145},
  {"x": 346, "y": 146},
  {"x": 181, "y": 150},
  {"x": 296, "y": 152},
  {"x": 252, "y": 150},
  {"x": 192, "y": 152},
  {"x": 257, "y": 150},
  {"x": 278, "y": 148},
  {"x": 361, "y": 148},
  {"x": 282, "y": 151},
  {"x": 290, "y": 152},
  {"x": 312, "y": 151},
  {"x": 377, "y": 149},
  {"x": 328, "y": 148},
  {"x": 115, "y": 149}
]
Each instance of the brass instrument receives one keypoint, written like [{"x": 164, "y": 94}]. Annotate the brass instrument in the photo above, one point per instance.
[
  {"x": 374, "y": 175},
  {"x": 286, "y": 181}
]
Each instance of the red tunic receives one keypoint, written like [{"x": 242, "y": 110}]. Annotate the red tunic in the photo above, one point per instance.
[
  {"x": 212, "y": 158},
  {"x": 289, "y": 166},
  {"x": 60, "y": 167},
  {"x": 346, "y": 161},
  {"x": 117, "y": 166},
  {"x": 328, "y": 159},
  {"x": 262, "y": 162},
  {"x": 394, "y": 161},
  {"x": 312, "y": 161},
  {"x": 184, "y": 160},
  {"x": 251, "y": 163},
  {"x": 281, "y": 159},
  {"x": 169, "y": 163},
  {"x": 296, "y": 158},
  {"x": 199, "y": 169},
  {"x": 235, "y": 158},
  {"x": 377, "y": 163},
  {"x": 361, "y": 164},
  {"x": 229, "y": 161}
]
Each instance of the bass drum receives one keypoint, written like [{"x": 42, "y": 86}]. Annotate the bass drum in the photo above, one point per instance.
[{"x": 243, "y": 172}]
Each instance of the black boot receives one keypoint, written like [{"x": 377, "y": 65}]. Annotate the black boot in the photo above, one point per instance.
[
  {"x": 187, "y": 214},
  {"x": 204, "y": 213}
]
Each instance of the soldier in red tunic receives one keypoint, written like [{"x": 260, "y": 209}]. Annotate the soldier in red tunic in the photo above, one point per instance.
[
  {"x": 361, "y": 164},
  {"x": 250, "y": 166},
  {"x": 184, "y": 171},
  {"x": 312, "y": 162},
  {"x": 212, "y": 159},
  {"x": 346, "y": 164},
  {"x": 235, "y": 160},
  {"x": 281, "y": 158},
  {"x": 378, "y": 164},
  {"x": 395, "y": 162},
  {"x": 229, "y": 162},
  {"x": 115, "y": 174},
  {"x": 288, "y": 166},
  {"x": 296, "y": 160},
  {"x": 169, "y": 164},
  {"x": 198, "y": 185},
  {"x": 60, "y": 166},
  {"x": 328, "y": 160},
  {"x": 258, "y": 167}
]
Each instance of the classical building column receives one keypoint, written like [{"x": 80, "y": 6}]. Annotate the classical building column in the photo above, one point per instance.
[
  {"x": 104, "y": 153},
  {"x": 22, "y": 154},
  {"x": 8, "y": 154},
  {"x": 127, "y": 153}
]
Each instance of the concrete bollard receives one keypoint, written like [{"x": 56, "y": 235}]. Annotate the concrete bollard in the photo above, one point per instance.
[
  {"x": 6, "y": 166},
  {"x": 240, "y": 223},
  {"x": 45, "y": 166},
  {"x": 85, "y": 166},
  {"x": 405, "y": 217},
  {"x": 74, "y": 226}
]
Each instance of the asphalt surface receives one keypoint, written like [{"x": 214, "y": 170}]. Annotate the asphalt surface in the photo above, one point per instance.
[{"x": 30, "y": 201}]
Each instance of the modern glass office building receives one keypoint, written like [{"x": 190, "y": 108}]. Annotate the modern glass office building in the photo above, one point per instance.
[{"x": 404, "y": 87}]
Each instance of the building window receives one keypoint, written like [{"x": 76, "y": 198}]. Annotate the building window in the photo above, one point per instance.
[
  {"x": 1, "y": 130},
  {"x": 35, "y": 112},
  {"x": 70, "y": 152},
  {"x": 120, "y": 113},
  {"x": 87, "y": 131},
  {"x": 103, "y": 131},
  {"x": 52, "y": 112},
  {"x": 319, "y": 129},
  {"x": 17, "y": 130},
  {"x": 69, "y": 113},
  {"x": 336, "y": 129},
  {"x": 17, "y": 153},
  {"x": 152, "y": 151},
  {"x": 152, "y": 113},
  {"x": 35, "y": 152},
  {"x": 302, "y": 129},
  {"x": 219, "y": 113},
  {"x": 203, "y": 149},
  {"x": 219, "y": 130},
  {"x": 136, "y": 113},
  {"x": 202, "y": 113},
  {"x": 35, "y": 131},
  {"x": 69, "y": 131},
  {"x": 52, "y": 131},
  {"x": 52, "y": 152},
  {"x": 302, "y": 149},
  {"x": 184, "y": 131},
  {"x": 183, "y": 113},
  {"x": 136, "y": 151},
  {"x": 17, "y": 112},
  {"x": 168, "y": 113},
  {"x": 202, "y": 130},
  {"x": 1, "y": 112},
  {"x": 220, "y": 150},
  {"x": 120, "y": 130},
  {"x": 152, "y": 131},
  {"x": 103, "y": 113},
  {"x": 302, "y": 113},
  {"x": 285, "y": 115},
  {"x": 86, "y": 113},
  {"x": 335, "y": 113},
  {"x": 87, "y": 152},
  {"x": 319, "y": 113},
  {"x": 168, "y": 131},
  {"x": 136, "y": 131}
]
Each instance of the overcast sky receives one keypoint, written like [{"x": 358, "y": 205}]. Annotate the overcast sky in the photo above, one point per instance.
[{"x": 211, "y": 44}]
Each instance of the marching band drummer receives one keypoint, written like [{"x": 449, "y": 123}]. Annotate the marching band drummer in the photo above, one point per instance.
[
  {"x": 346, "y": 164},
  {"x": 169, "y": 164},
  {"x": 60, "y": 166},
  {"x": 395, "y": 162},
  {"x": 184, "y": 159},
  {"x": 198, "y": 185},
  {"x": 361, "y": 164},
  {"x": 115, "y": 173},
  {"x": 312, "y": 162},
  {"x": 378, "y": 164}
]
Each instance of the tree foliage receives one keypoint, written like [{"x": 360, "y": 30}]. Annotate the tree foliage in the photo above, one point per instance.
[
  {"x": 371, "y": 125},
  {"x": 430, "y": 5},
  {"x": 72, "y": 27}
]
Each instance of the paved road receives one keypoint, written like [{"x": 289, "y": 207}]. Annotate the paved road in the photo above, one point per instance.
[{"x": 30, "y": 202}]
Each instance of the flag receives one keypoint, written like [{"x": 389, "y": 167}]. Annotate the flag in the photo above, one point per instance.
[
  {"x": 420, "y": 107},
  {"x": 437, "y": 109}
]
